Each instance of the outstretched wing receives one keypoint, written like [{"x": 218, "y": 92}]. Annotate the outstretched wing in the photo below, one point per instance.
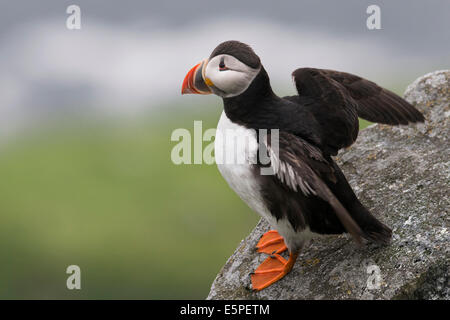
[
  {"x": 375, "y": 103},
  {"x": 302, "y": 168},
  {"x": 339, "y": 98}
]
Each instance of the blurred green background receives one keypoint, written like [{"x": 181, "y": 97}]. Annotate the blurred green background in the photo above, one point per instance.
[{"x": 107, "y": 197}]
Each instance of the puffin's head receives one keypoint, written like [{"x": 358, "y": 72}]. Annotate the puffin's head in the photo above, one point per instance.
[{"x": 228, "y": 72}]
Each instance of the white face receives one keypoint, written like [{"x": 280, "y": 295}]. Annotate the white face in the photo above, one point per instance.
[{"x": 228, "y": 76}]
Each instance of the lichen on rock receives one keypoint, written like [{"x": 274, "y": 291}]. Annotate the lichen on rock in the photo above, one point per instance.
[{"x": 402, "y": 174}]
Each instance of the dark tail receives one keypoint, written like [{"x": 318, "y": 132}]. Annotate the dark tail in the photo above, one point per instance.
[{"x": 372, "y": 229}]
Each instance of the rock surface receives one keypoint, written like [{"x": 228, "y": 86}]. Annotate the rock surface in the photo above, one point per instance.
[{"x": 402, "y": 175}]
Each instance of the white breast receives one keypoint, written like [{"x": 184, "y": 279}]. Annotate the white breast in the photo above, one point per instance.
[{"x": 236, "y": 150}]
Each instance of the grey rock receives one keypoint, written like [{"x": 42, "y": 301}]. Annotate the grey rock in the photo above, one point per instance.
[{"x": 402, "y": 175}]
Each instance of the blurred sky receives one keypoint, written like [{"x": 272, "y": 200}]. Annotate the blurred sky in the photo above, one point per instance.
[{"x": 132, "y": 56}]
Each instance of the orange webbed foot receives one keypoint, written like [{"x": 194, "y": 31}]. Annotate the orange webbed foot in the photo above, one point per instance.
[
  {"x": 271, "y": 242},
  {"x": 271, "y": 270}
]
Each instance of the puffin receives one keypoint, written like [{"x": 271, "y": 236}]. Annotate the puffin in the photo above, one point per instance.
[{"x": 288, "y": 175}]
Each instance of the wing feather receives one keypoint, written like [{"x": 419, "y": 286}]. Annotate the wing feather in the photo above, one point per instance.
[
  {"x": 302, "y": 167},
  {"x": 374, "y": 103},
  {"x": 333, "y": 108}
]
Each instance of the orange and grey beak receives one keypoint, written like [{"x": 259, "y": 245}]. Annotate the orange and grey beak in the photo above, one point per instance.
[{"x": 194, "y": 81}]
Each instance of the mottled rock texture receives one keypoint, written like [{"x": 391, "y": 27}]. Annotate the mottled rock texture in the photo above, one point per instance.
[{"x": 402, "y": 175}]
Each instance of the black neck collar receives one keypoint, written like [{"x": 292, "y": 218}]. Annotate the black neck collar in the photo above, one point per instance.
[{"x": 249, "y": 103}]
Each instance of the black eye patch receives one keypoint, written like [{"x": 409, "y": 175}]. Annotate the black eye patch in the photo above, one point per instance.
[{"x": 222, "y": 66}]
